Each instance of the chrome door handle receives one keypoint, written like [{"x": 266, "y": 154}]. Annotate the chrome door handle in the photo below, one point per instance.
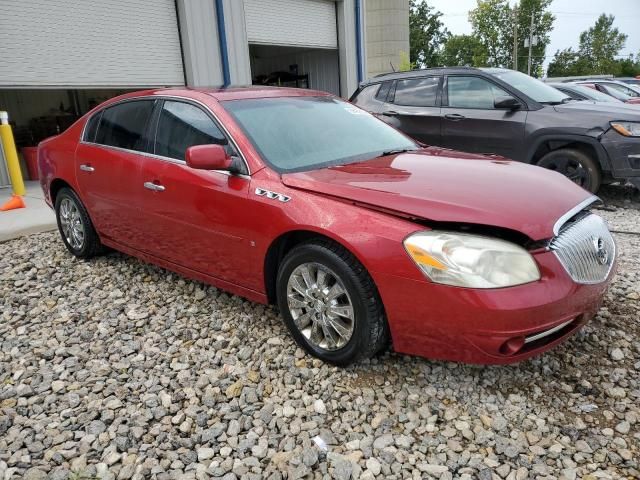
[
  {"x": 390, "y": 113},
  {"x": 154, "y": 186},
  {"x": 87, "y": 168},
  {"x": 454, "y": 116}
]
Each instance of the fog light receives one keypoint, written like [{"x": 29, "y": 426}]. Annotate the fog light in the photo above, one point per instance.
[{"x": 512, "y": 346}]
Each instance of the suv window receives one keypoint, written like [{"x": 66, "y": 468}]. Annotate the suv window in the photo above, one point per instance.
[
  {"x": 365, "y": 95},
  {"x": 473, "y": 92},
  {"x": 384, "y": 91},
  {"x": 183, "y": 125},
  {"x": 124, "y": 125},
  {"x": 417, "y": 92}
]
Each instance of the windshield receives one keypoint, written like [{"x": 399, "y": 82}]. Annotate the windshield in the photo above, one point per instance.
[
  {"x": 531, "y": 87},
  {"x": 303, "y": 133},
  {"x": 595, "y": 94}
]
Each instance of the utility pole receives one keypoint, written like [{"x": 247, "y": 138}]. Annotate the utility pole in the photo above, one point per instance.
[
  {"x": 530, "y": 45},
  {"x": 515, "y": 37}
]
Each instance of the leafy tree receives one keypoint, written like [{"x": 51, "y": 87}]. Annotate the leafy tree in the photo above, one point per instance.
[
  {"x": 427, "y": 33},
  {"x": 492, "y": 24},
  {"x": 600, "y": 44},
  {"x": 464, "y": 50},
  {"x": 493, "y": 20},
  {"x": 542, "y": 26}
]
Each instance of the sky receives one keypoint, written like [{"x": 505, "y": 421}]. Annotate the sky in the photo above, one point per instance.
[{"x": 572, "y": 18}]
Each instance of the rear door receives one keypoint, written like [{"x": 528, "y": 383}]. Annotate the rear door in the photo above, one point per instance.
[
  {"x": 471, "y": 123},
  {"x": 193, "y": 218},
  {"x": 413, "y": 106},
  {"x": 108, "y": 167}
]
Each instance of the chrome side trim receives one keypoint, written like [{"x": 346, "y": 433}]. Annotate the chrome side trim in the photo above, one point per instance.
[
  {"x": 546, "y": 333},
  {"x": 578, "y": 208},
  {"x": 165, "y": 97}
]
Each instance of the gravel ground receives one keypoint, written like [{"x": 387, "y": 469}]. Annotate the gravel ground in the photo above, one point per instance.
[{"x": 117, "y": 369}]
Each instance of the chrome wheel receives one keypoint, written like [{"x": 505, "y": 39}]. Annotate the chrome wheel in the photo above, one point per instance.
[
  {"x": 71, "y": 224},
  {"x": 320, "y": 306}
]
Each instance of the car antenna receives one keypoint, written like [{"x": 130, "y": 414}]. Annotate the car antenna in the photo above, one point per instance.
[{"x": 392, "y": 69}]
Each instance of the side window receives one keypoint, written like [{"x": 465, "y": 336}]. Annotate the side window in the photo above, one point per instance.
[
  {"x": 183, "y": 125},
  {"x": 92, "y": 127},
  {"x": 124, "y": 125},
  {"x": 473, "y": 92},
  {"x": 417, "y": 92},
  {"x": 366, "y": 94},
  {"x": 383, "y": 92}
]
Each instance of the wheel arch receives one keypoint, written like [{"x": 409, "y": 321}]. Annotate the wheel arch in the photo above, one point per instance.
[
  {"x": 283, "y": 243},
  {"x": 589, "y": 145},
  {"x": 55, "y": 186}
]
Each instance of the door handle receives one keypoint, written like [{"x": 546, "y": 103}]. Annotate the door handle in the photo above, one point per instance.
[
  {"x": 454, "y": 116},
  {"x": 390, "y": 113},
  {"x": 154, "y": 186},
  {"x": 87, "y": 168}
]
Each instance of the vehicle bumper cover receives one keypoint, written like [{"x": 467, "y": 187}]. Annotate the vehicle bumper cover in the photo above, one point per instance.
[
  {"x": 623, "y": 152},
  {"x": 482, "y": 326}
]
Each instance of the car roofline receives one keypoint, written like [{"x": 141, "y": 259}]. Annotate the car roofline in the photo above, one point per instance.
[{"x": 417, "y": 72}]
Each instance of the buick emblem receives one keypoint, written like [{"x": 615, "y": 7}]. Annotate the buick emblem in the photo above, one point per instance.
[{"x": 601, "y": 251}]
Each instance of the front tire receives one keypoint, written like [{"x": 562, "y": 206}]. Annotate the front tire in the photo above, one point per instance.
[
  {"x": 74, "y": 225},
  {"x": 576, "y": 165},
  {"x": 330, "y": 304}
]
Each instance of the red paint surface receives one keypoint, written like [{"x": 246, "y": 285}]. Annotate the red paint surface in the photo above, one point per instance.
[{"x": 213, "y": 227}]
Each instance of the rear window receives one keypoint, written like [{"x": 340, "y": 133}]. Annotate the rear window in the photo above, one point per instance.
[
  {"x": 417, "y": 92},
  {"x": 366, "y": 94},
  {"x": 124, "y": 125},
  {"x": 92, "y": 127},
  {"x": 384, "y": 91}
]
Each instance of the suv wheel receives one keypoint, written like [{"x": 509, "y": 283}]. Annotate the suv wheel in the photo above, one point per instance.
[
  {"x": 330, "y": 303},
  {"x": 577, "y": 166}
]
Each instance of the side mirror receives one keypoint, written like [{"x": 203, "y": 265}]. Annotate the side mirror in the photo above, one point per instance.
[
  {"x": 507, "y": 103},
  {"x": 208, "y": 157}
]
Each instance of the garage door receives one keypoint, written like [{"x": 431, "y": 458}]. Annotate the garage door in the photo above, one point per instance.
[
  {"x": 106, "y": 43},
  {"x": 309, "y": 23}
]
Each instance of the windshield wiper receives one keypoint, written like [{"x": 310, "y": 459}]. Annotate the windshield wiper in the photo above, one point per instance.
[{"x": 396, "y": 151}]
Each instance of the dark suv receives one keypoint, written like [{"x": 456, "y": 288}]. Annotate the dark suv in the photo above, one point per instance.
[{"x": 508, "y": 113}]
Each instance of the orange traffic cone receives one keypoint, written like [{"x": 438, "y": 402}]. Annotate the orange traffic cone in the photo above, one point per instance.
[{"x": 14, "y": 202}]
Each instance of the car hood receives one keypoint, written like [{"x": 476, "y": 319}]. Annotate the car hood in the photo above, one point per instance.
[
  {"x": 613, "y": 111},
  {"x": 446, "y": 186}
]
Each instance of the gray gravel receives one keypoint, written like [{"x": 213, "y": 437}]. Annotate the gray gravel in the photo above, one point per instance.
[{"x": 117, "y": 369}]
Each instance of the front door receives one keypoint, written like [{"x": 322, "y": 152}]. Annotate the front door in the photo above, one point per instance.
[
  {"x": 107, "y": 164},
  {"x": 414, "y": 108},
  {"x": 471, "y": 123},
  {"x": 193, "y": 218}
]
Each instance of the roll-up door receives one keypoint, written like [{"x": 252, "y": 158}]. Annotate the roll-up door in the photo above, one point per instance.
[
  {"x": 88, "y": 44},
  {"x": 307, "y": 23}
]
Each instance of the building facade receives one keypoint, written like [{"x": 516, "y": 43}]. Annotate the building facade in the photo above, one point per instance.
[{"x": 58, "y": 58}]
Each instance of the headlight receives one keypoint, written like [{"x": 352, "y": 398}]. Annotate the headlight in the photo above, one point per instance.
[
  {"x": 473, "y": 261},
  {"x": 628, "y": 129}
]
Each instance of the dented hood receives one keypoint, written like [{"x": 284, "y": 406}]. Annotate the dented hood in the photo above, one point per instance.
[{"x": 447, "y": 186}]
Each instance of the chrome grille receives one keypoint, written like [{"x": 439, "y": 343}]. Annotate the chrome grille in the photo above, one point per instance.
[{"x": 586, "y": 249}]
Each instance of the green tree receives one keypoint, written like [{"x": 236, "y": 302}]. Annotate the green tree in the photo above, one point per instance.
[
  {"x": 600, "y": 44},
  {"x": 567, "y": 63},
  {"x": 492, "y": 24},
  {"x": 464, "y": 50},
  {"x": 427, "y": 34},
  {"x": 493, "y": 21},
  {"x": 542, "y": 26}
]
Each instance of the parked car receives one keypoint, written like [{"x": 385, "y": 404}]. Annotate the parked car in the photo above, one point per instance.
[
  {"x": 630, "y": 80},
  {"x": 617, "y": 90},
  {"x": 504, "y": 112},
  {"x": 584, "y": 93},
  {"x": 358, "y": 233}
]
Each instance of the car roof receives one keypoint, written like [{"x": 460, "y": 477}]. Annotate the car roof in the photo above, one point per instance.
[
  {"x": 431, "y": 71},
  {"x": 230, "y": 93}
]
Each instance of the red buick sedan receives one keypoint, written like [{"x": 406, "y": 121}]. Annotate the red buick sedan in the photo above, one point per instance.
[{"x": 359, "y": 234}]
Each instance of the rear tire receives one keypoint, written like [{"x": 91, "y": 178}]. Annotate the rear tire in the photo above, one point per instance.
[
  {"x": 330, "y": 304},
  {"x": 75, "y": 226},
  {"x": 576, "y": 165}
]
